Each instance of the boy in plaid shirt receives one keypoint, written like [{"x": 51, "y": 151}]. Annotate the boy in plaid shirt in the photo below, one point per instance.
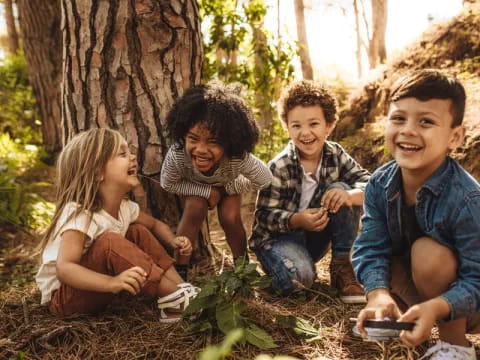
[{"x": 314, "y": 200}]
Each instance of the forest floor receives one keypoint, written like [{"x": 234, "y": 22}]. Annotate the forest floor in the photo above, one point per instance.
[{"x": 129, "y": 328}]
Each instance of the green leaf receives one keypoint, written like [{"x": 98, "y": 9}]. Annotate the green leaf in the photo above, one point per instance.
[
  {"x": 209, "y": 288},
  {"x": 200, "y": 303},
  {"x": 259, "y": 338},
  {"x": 224, "y": 349},
  {"x": 232, "y": 284},
  {"x": 302, "y": 328},
  {"x": 229, "y": 316}
]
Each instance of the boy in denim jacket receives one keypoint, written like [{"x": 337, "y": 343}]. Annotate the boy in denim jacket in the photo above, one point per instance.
[
  {"x": 419, "y": 249},
  {"x": 314, "y": 199}
]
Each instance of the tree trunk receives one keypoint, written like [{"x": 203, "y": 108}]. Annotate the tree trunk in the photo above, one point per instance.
[
  {"x": 11, "y": 27},
  {"x": 359, "y": 39},
  {"x": 42, "y": 45},
  {"x": 125, "y": 62},
  {"x": 377, "y": 52},
  {"x": 303, "y": 51}
]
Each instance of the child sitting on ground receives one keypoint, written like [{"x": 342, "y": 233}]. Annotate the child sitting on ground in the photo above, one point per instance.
[
  {"x": 99, "y": 243},
  {"x": 210, "y": 162},
  {"x": 419, "y": 249},
  {"x": 314, "y": 199}
]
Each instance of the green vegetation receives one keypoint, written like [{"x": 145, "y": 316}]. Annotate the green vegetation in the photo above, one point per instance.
[
  {"x": 220, "y": 304},
  {"x": 20, "y": 151}
]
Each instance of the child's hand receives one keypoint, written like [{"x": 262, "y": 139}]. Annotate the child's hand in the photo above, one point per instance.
[
  {"x": 424, "y": 317},
  {"x": 130, "y": 280},
  {"x": 183, "y": 245},
  {"x": 334, "y": 199},
  {"x": 379, "y": 306},
  {"x": 313, "y": 219},
  {"x": 216, "y": 194}
]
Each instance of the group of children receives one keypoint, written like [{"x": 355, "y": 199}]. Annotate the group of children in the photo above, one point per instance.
[{"x": 416, "y": 257}]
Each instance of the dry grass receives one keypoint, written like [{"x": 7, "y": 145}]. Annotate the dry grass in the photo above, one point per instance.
[{"x": 129, "y": 329}]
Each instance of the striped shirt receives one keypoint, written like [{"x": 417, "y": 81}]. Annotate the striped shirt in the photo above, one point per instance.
[
  {"x": 279, "y": 201},
  {"x": 238, "y": 175}
]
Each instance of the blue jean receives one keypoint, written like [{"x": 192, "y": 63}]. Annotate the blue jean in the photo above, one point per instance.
[{"x": 292, "y": 256}]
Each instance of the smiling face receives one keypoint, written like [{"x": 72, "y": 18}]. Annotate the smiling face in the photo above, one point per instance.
[
  {"x": 120, "y": 172},
  {"x": 308, "y": 129},
  {"x": 419, "y": 134},
  {"x": 203, "y": 149}
]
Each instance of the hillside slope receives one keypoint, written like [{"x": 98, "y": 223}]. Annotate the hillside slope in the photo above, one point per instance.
[{"x": 454, "y": 47}]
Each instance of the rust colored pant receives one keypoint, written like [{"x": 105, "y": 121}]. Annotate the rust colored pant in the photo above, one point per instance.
[{"x": 112, "y": 254}]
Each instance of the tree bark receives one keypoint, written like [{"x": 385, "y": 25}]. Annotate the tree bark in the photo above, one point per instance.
[
  {"x": 42, "y": 45},
  {"x": 303, "y": 51},
  {"x": 125, "y": 62},
  {"x": 12, "y": 34},
  {"x": 377, "y": 53}
]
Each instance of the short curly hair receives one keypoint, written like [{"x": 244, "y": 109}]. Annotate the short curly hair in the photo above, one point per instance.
[
  {"x": 308, "y": 93},
  {"x": 220, "y": 107}
]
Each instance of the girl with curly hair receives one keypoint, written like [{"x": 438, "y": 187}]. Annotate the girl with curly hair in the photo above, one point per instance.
[{"x": 210, "y": 162}]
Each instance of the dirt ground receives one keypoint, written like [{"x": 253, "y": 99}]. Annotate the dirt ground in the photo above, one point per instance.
[{"x": 129, "y": 328}]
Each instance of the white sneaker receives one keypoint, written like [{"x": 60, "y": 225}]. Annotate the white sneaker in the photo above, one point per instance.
[{"x": 446, "y": 351}]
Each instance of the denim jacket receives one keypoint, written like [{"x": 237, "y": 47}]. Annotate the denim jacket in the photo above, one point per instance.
[{"x": 447, "y": 210}]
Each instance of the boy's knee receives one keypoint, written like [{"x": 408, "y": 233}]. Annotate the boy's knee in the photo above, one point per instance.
[
  {"x": 432, "y": 262},
  {"x": 297, "y": 275}
]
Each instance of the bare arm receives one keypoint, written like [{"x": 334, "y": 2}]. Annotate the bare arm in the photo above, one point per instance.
[
  {"x": 70, "y": 272},
  {"x": 163, "y": 233}
]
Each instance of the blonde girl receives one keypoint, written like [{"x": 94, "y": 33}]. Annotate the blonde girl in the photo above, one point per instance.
[{"x": 99, "y": 243}]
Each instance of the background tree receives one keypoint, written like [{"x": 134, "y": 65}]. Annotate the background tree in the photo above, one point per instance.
[
  {"x": 303, "y": 50},
  {"x": 263, "y": 63},
  {"x": 39, "y": 22},
  {"x": 377, "y": 53},
  {"x": 125, "y": 63},
  {"x": 13, "y": 44}
]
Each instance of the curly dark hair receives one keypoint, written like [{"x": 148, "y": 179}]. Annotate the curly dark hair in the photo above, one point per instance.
[
  {"x": 427, "y": 84},
  {"x": 220, "y": 107},
  {"x": 308, "y": 93}
]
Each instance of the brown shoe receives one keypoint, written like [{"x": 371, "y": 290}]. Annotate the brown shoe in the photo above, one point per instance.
[{"x": 343, "y": 279}]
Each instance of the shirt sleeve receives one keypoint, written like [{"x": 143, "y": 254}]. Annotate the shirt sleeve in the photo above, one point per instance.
[
  {"x": 171, "y": 178},
  {"x": 351, "y": 172},
  {"x": 271, "y": 202},
  {"x": 132, "y": 209},
  {"x": 254, "y": 175},
  {"x": 463, "y": 296},
  {"x": 81, "y": 222},
  {"x": 372, "y": 249}
]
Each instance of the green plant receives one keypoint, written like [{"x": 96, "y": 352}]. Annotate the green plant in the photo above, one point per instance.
[
  {"x": 225, "y": 349},
  {"x": 18, "y": 112},
  {"x": 19, "y": 204},
  {"x": 220, "y": 304}
]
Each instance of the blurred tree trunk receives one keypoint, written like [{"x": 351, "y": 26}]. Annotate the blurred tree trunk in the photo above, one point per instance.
[
  {"x": 125, "y": 62},
  {"x": 359, "y": 39},
  {"x": 377, "y": 53},
  {"x": 303, "y": 50},
  {"x": 260, "y": 49},
  {"x": 11, "y": 27},
  {"x": 42, "y": 46}
]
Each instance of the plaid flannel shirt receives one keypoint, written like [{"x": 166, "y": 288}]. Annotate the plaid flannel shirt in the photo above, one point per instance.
[{"x": 279, "y": 201}]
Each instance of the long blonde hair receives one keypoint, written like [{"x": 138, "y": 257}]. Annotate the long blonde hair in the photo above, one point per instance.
[{"x": 79, "y": 170}]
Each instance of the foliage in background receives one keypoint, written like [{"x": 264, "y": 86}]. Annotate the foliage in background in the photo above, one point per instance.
[
  {"x": 18, "y": 111},
  {"x": 220, "y": 305},
  {"x": 239, "y": 49},
  {"x": 19, "y": 204}
]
